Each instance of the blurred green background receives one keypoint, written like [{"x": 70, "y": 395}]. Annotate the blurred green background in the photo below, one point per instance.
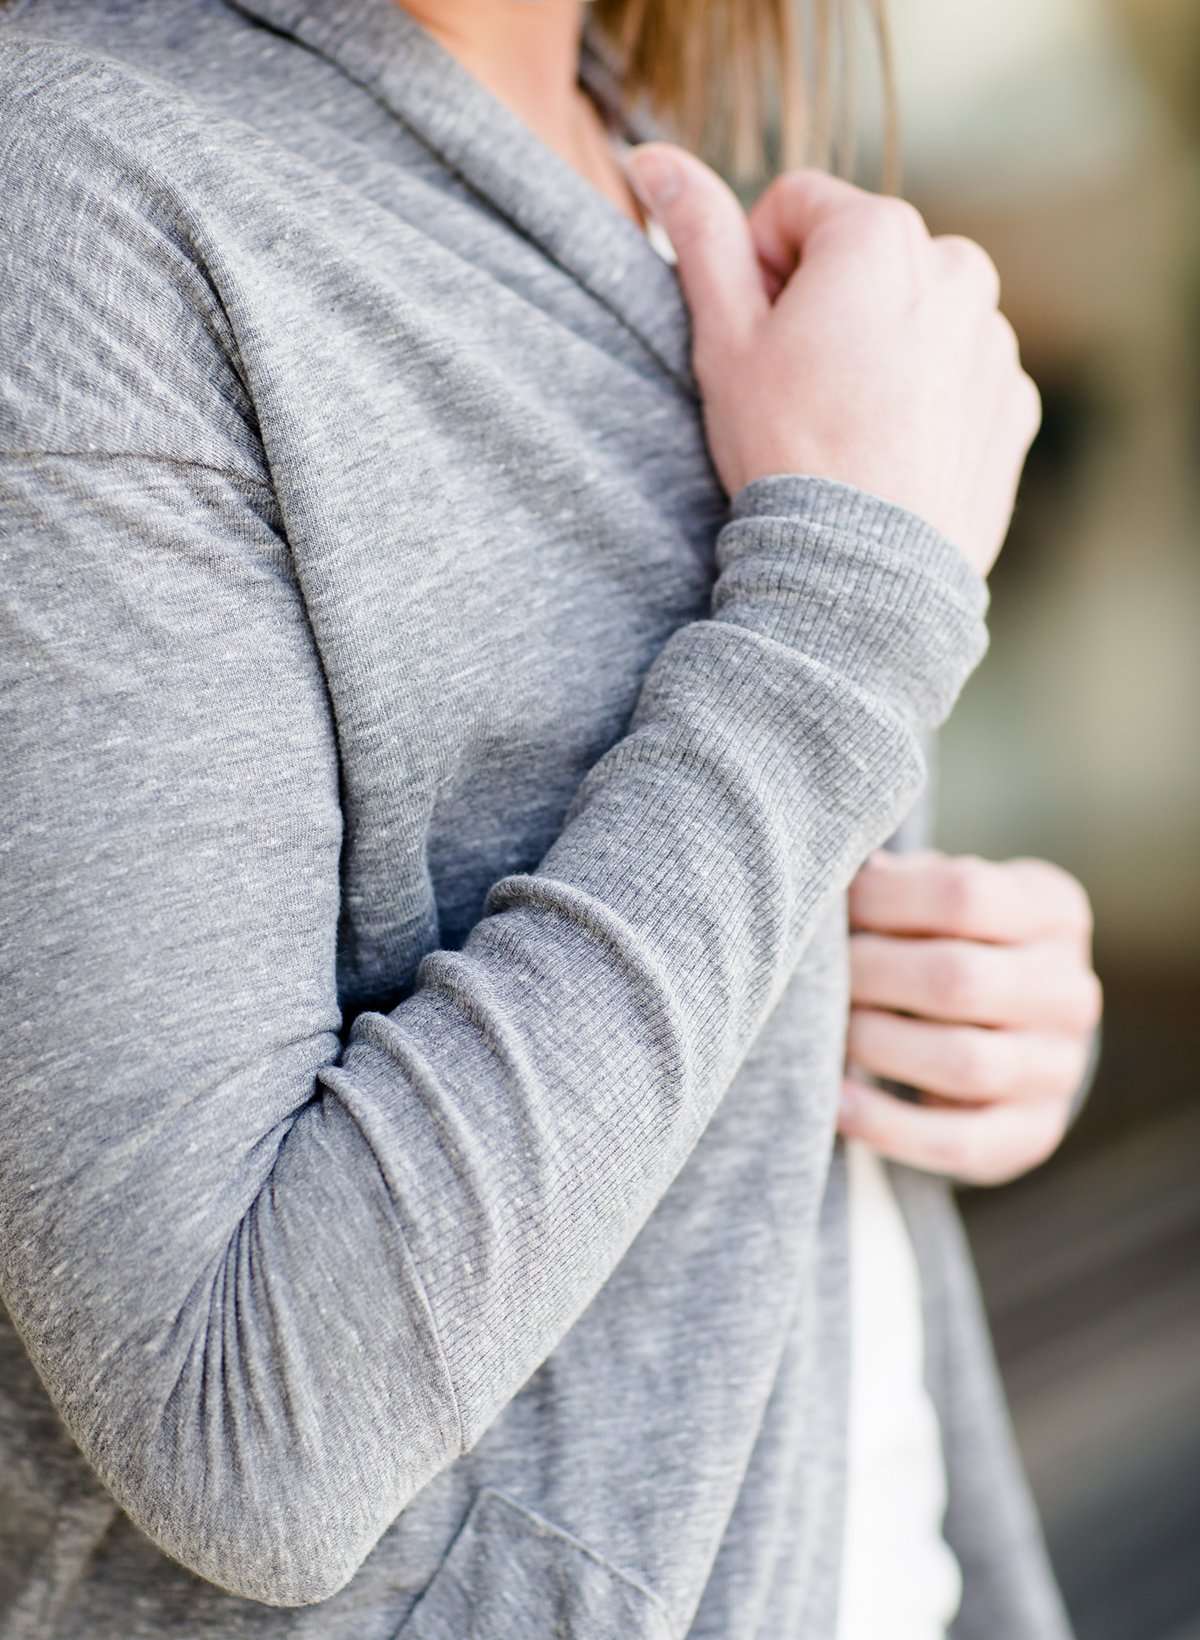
[{"x": 1064, "y": 135}]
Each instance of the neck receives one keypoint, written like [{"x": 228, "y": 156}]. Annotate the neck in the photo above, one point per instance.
[{"x": 526, "y": 52}]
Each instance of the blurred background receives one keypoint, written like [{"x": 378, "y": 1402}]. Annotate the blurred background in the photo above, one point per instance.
[{"x": 1064, "y": 135}]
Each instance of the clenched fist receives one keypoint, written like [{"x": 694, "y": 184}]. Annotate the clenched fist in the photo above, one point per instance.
[
  {"x": 972, "y": 982},
  {"x": 833, "y": 335}
]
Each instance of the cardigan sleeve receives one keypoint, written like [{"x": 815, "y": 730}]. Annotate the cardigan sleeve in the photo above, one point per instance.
[{"x": 274, "y": 1279}]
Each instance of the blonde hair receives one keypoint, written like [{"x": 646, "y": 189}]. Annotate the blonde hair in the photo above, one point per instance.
[{"x": 763, "y": 84}]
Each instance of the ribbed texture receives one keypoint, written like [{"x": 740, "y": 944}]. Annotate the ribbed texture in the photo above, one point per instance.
[
  {"x": 763, "y": 760},
  {"x": 428, "y": 807},
  {"x": 871, "y": 581}
]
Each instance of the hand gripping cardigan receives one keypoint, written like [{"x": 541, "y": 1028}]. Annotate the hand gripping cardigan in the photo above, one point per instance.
[{"x": 428, "y": 806}]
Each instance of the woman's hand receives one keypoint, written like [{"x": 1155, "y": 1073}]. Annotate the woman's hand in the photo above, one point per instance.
[
  {"x": 832, "y": 335},
  {"x": 973, "y": 983}
]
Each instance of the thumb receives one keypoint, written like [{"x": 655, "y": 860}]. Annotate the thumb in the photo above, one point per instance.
[{"x": 716, "y": 259}]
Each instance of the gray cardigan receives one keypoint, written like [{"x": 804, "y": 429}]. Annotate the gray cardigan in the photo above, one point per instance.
[{"x": 429, "y": 809}]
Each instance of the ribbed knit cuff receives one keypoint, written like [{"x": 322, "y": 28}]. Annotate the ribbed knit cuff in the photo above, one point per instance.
[{"x": 857, "y": 582}]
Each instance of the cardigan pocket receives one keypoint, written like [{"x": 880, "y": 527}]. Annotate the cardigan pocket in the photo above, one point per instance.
[{"x": 509, "y": 1574}]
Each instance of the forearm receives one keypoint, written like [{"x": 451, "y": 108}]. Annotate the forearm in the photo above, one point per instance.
[{"x": 273, "y": 1287}]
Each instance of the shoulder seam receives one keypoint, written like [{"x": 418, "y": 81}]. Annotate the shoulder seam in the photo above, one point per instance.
[{"x": 143, "y": 455}]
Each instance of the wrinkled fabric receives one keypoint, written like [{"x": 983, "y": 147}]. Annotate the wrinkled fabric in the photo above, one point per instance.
[{"x": 430, "y": 802}]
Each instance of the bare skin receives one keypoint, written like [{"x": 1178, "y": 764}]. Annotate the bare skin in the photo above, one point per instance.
[
  {"x": 525, "y": 52},
  {"x": 971, "y": 981}
]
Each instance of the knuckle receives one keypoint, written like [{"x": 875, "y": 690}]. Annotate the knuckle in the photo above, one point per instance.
[
  {"x": 1076, "y": 902},
  {"x": 1083, "y": 913},
  {"x": 1091, "y": 1002},
  {"x": 1008, "y": 343},
  {"x": 968, "y": 258},
  {"x": 802, "y": 179},
  {"x": 785, "y": 192},
  {"x": 881, "y": 220},
  {"x": 904, "y": 215},
  {"x": 795, "y": 193},
  {"x": 963, "y": 889},
  {"x": 1029, "y": 399}
]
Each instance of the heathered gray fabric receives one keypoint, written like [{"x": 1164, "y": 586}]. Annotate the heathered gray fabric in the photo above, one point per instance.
[{"x": 429, "y": 810}]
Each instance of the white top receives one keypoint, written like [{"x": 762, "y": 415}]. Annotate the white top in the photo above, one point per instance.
[
  {"x": 657, "y": 235},
  {"x": 899, "y": 1576},
  {"x": 900, "y": 1579}
]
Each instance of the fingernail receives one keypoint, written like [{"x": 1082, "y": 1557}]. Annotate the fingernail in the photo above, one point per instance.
[
  {"x": 656, "y": 177},
  {"x": 847, "y": 1102}
]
